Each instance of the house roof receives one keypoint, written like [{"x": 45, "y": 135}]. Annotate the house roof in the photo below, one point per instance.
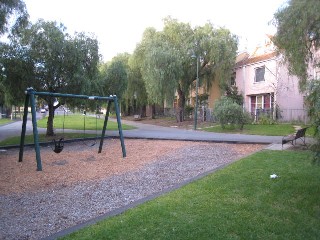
[
  {"x": 260, "y": 53},
  {"x": 260, "y": 58},
  {"x": 250, "y": 60}
]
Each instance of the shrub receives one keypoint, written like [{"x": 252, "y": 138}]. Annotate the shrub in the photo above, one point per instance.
[
  {"x": 265, "y": 119},
  {"x": 228, "y": 112},
  {"x": 188, "y": 109},
  {"x": 313, "y": 103}
]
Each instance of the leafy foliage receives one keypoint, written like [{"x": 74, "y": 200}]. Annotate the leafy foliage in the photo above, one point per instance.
[
  {"x": 298, "y": 38},
  {"x": 113, "y": 77},
  {"x": 313, "y": 101},
  {"x": 12, "y": 9},
  {"x": 45, "y": 57},
  {"x": 227, "y": 111},
  {"x": 166, "y": 63},
  {"x": 265, "y": 119},
  {"x": 298, "y": 35},
  {"x": 136, "y": 90},
  {"x": 232, "y": 92}
]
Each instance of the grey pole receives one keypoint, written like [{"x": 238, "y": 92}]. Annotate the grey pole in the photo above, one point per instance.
[{"x": 196, "y": 108}]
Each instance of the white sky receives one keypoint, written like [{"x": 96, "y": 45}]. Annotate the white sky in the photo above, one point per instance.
[{"x": 119, "y": 24}]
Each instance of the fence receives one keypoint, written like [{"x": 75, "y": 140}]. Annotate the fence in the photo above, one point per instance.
[
  {"x": 293, "y": 115},
  {"x": 284, "y": 115}
]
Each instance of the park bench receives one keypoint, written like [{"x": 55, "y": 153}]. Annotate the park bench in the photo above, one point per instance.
[
  {"x": 137, "y": 117},
  {"x": 300, "y": 134}
]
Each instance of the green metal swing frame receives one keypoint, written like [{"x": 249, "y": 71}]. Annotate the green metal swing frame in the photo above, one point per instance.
[{"x": 30, "y": 98}]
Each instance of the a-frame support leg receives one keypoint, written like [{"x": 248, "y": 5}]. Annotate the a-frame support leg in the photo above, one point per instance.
[{"x": 104, "y": 127}]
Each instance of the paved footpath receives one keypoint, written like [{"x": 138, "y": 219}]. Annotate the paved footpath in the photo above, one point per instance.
[{"x": 148, "y": 131}]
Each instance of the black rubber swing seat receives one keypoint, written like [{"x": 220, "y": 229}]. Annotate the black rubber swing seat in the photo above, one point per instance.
[{"x": 58, "y": 145}]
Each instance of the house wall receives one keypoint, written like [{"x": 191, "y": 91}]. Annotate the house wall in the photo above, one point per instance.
[
  {"x": 245, "y": 80},
  {"x": 289, "y": 99},
  {"x": 214, "y": 94},
  {"x": 278, "y": 81}
]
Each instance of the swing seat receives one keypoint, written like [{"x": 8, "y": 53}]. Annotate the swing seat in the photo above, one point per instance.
[{"x": 58, "y": 145}]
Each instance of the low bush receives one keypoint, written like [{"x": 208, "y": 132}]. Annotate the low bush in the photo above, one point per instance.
[{"x": 228, "y": 112}]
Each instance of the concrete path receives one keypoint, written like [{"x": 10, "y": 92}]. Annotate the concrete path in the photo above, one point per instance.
[{"x": 148, "y": 131}]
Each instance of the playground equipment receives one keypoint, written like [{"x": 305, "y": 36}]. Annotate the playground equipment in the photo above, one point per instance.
[
  {"x": 59, "y": 143},
  {"x": 84, "y": 128},
  {"x": 30, "y": 97}
]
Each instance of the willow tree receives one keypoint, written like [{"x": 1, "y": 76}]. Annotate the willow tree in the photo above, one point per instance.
[
  {"x": 298, "y": 36},
  {"x": 298, "y": 39},
  {"x": 167, "y": 59},
  {"x": 159, "y": 67},
  {"x": 113, "y": 76},
  {"x": 135, "y": 97}
]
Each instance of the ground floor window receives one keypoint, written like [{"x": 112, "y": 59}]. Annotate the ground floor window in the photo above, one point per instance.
[{"x": 261, "y": 104}]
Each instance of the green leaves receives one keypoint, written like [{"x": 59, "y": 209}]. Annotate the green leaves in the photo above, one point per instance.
[
  {"x": 114, "y": 76},
  {"x": 16, "y": 9},
  {"x": 298, "y": 35},
  {"x": 298, "y": 38},
  {"x": 227, "y": 111},
  {"x": 166, "y": 62}
]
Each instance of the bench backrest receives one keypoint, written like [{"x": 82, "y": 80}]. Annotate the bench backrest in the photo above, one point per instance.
[{"x": 301, "y": 132}]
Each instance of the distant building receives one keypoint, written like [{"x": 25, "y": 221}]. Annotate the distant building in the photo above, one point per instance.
[{"x": 266, "y": 85}]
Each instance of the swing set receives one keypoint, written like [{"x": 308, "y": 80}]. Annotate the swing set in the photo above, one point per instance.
[{"x": 58, "y": 144}]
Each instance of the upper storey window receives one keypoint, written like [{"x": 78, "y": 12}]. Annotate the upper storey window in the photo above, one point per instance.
[{"x": 259, "y": 76}]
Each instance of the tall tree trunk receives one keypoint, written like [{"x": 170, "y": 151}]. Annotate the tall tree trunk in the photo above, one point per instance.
[
  {"x": 181, "y": 105},
  {"x": 153, "y": 111},
  {"x": 143, "y": 111},
  {"x": 50, "y": 131}
]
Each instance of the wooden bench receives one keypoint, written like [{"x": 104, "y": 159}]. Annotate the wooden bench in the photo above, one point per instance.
[{"x": 300, "y": 134}]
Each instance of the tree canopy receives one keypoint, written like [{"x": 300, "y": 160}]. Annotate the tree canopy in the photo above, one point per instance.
[
  {"x": 298, "y": 38},
  {"x": 14, "y": 10},
  {"x": 45, "y": 57},
  {"x": 167, "y": 64},
  {"x": 298, "y": 35},
  {"x": 113, "y": 77}
]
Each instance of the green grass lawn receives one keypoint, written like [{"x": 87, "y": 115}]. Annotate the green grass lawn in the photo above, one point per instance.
[
  {"x": 71, "y": 122},
  {"x": 75, "y": 121},
  {"x": 240, "y": 201},
  {"x": 42, "y": 138},
  {"x": 252, "y": 129},
  {"x": 5, "y": 121}
]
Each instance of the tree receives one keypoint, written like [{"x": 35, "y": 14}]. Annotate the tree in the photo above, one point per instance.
[
  {"x": 113, "y": 76},
  {"x": 167, "y": 64},
  {"x": 55, "y": 62},
  {"x": 298, "y": 36},
  {"x": 15, "y": 68},
  {"x": 13, "y": 17},
  {"x": 150, "y": 60},
  {"x": 298, "y": 39},
  {"x": 135, "y": 97},
  {"x": 12, "y": 9},
  {"x": 313, "y": 103}
]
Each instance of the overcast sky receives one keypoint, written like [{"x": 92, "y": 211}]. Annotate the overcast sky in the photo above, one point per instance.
[{"x": 119, "y": 24}]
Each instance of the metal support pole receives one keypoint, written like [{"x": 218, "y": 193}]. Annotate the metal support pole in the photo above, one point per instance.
[
  {"x": 24, "y": 126},
  {"x": 104, "y": 127},
  {"x": 30, "y": 96},
  {"x": 35, "y": 130},
  {"x": 196, "y": 108},
  {"x": 124, "y": 154}
]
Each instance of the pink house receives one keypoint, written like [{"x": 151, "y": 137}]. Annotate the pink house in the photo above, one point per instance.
[{"x": 263, "y": 80}]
